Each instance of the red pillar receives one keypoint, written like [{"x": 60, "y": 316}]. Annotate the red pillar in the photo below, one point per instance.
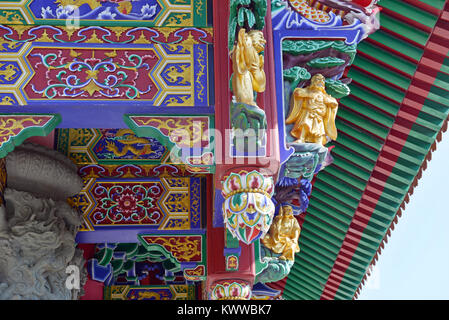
[{"x": 269, "y": 164}]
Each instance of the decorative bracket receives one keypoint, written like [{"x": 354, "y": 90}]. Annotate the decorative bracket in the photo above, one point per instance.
[
  {"x": 189, "y": 138},
  {"x": 16, "y": 128},
  {"x": 230, "y": 289},
  {"x": 248, "y": 210}
]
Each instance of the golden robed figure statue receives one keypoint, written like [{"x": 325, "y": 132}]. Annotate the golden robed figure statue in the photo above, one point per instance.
[
  {"x": 283, "y": 234},
  {"x": 313, "y": 112},
  {"x": 247, "y": 65}
]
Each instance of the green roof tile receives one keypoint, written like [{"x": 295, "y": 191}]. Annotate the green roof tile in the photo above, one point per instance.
[{"x": 364, "y": 120}]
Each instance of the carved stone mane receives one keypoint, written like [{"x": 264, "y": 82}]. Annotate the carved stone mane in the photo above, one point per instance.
[
  {"x": 38, "y": 227},
  {"x": 42, "y": 172}
]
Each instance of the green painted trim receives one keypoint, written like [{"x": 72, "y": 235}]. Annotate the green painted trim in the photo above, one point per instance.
[
  {"x": 404, "y": 29},
  {"x": 386, "y": 57},
  {"x": 29, "y": 132},
  {"x": 382, "y": 72},
  {"x": 200, "y": 19},
  {"x": 147, "y": 131},
  {"x": 411, "y": 12},
  {"x": 259, "y": 263},
  {"x": 373, "y": 121},
  {"x": 380, "y": 87},
  {"x": 352, "y": 158},
  {"x": 161, "y": 250},
  {"x": 363, "y": 137},
  {"x": 375, "y": 100},
  {"x": 148, "y": 246},
  {"x": 439, "y": 4},
  {"x": 397, "y": 44}
]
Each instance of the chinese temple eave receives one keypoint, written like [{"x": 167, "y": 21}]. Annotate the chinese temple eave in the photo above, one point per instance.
[
  {"x": 339, "y": 245},
  {"x": 200, "y": 214}
]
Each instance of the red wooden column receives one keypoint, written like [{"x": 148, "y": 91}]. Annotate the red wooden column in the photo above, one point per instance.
[{"x": 225, "y": 163}]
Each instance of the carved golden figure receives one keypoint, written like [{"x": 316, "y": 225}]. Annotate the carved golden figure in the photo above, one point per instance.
[
  {"x": 313, "y": 112},
  {"x": 283, "y": 235},
  {"x": 247, "y": 65}
]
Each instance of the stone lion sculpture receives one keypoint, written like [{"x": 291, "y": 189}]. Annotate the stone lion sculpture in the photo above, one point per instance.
[{"x": 38, "y": 227}]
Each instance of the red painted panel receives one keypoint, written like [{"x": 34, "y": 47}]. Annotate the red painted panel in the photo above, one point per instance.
[
  {"x": 48, "y": 141},
  {"x": 93, "y": 290}
]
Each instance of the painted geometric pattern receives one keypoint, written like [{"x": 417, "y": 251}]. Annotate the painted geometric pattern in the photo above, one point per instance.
[
  {"x": 109, "y": 146},
  {"x": 153, "y": 67},
  {"x": 13, "y": 36},
  {"x": 156, "y": 203},
  {"x": 9, "y": 72},
  {"x": 91, "y": 73},
  {"x": 169, "y": 292},
  {"x": 138, "y": 264},
  {"x": 189, "y": 250},
  {"x": 184, "y": 131},
  {"x": 114, "y": 153},
  {"x": 159, "y": 75},
  {"x": 184, "y": 248},
  {"x": 132, "y": 171},
  {"x": 14, "y": 129},
  {"x": 190, "y": 138},
  {"x": 14, "y": 72},
  {"x": 106, "y": 12}
]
